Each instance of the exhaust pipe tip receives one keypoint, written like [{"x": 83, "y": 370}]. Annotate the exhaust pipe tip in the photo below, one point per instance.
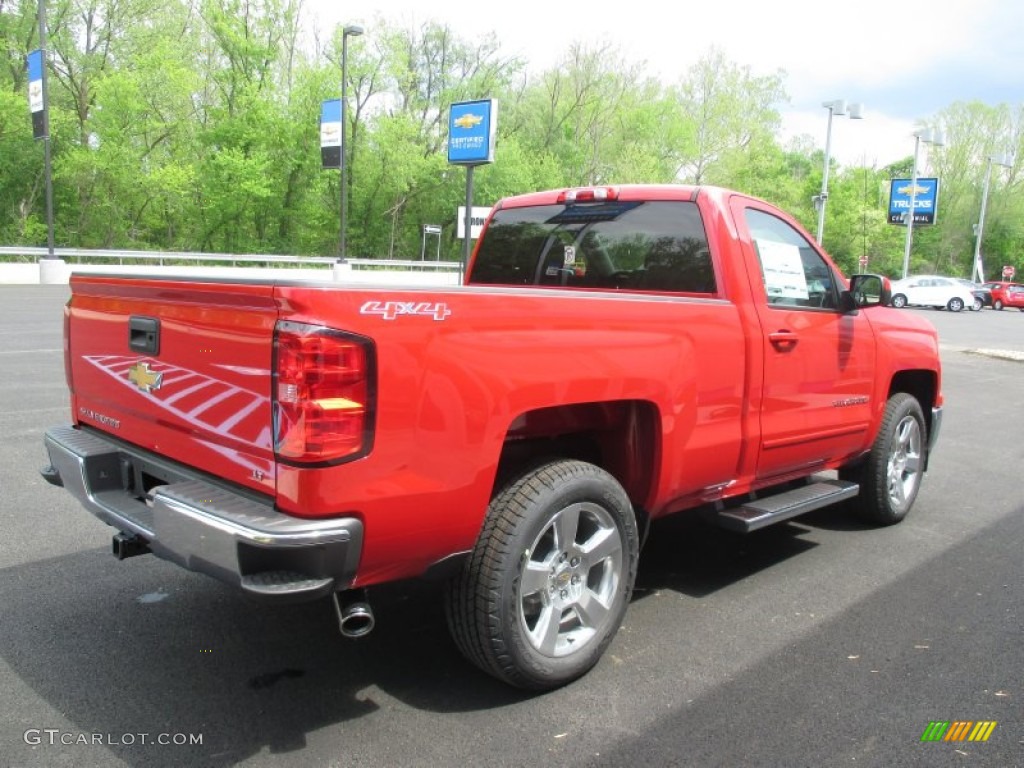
[
  {"x": 357, "y": 620},
  {"x": 355, "y": 617}
]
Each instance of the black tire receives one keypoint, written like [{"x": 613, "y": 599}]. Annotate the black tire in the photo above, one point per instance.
[
  {"x": 998, "y": 304},
  {"x": 559, "y": 543},
  {"x": 899, "y": 301},
  {"x": 890, "y": 476},
  {"x": 978, "y": 304},
  {"x": 956, "y": 304}
]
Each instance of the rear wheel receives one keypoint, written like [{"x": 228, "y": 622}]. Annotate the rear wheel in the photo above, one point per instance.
[
  {"x": 548, "y": 583},
  {"x": 955, "y": 304},
  {"x": 997, "y": 304},
  {"x": 978, "y": 304},
  {"x": 891, "y": 475},
  {"x": 899, "y": 301}
]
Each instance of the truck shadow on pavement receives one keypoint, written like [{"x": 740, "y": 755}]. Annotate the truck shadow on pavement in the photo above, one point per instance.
[
  {"x": 142, "y": 647},
  {"x": 685, "y": 554}
]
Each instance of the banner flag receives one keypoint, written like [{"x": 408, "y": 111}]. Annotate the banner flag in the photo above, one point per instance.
[
  {"x": 36, "y": 96},
  {"x": 330, "y": 133}
]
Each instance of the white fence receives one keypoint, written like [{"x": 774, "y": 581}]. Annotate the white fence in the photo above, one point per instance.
[{"x": 242, "y": 266}]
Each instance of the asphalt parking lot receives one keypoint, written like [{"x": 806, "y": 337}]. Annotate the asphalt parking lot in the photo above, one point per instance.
[{"x": 819, "y": 642}]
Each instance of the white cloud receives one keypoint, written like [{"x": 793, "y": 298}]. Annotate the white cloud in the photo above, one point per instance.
[
  {"x": 876, "y": 140},
  {"x": 904, "y": 61}
]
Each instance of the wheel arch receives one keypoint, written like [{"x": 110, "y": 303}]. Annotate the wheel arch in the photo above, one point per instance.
[
  {"x": 619, "y": 436},
  {"x": 923, "y": 386}
]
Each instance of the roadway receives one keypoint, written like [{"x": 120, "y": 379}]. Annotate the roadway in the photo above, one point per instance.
[{"x": 819, "y": 642}]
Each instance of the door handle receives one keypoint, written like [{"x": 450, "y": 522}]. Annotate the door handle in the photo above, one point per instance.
[{"x": 783, "y": 340}]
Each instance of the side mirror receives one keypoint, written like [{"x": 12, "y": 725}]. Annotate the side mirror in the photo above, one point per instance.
[{"x": 866, "y": 291}]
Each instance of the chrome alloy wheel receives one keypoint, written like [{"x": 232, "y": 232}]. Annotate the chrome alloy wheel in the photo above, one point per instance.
[
  {"x": 570, "y": 580},
  {"x": 905, "y": 462}
]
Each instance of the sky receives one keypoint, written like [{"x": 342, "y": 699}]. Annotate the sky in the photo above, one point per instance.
[{"x": 905, "y": 62}]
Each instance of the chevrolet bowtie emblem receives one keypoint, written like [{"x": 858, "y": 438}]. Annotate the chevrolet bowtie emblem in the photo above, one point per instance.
[
  {"x": 469, "y": 120},
  {"x": 142, "y": 377}
]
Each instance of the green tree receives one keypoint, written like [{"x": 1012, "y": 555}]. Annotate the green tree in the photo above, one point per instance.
[
  {"x": 21, "y": 178},
  {"x": 400, "y": 162},
  {"x": 192, "y": 124},
  {"x": 732, "y": 111},
  {"x": 974, "y": 133}
]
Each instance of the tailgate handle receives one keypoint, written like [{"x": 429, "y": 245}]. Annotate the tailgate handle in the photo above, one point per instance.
[{"x": 144, "y": 334}]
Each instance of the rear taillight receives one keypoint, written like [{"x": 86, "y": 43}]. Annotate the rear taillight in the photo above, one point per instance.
[{"x": 324, "y": 394}]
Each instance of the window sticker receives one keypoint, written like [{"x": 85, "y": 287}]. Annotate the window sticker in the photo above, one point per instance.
[
  {"x": 570, "y": 255},
  {"x": 783, "y": 270}
]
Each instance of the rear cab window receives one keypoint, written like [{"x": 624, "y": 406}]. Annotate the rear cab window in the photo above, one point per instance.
[{"x": 615, "y": 244}]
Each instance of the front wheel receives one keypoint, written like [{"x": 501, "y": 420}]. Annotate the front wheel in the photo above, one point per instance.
[
  {"x": 978, "y": 304},
  {"x": 899, "y": 301},
  {"x": 891, "y": 475},
  {"x": 955, "y": 304},
  {"x": 550, "y": 577}
]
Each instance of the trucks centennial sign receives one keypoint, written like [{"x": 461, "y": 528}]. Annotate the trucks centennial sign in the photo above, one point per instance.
[{"x": 926, "y": 200}]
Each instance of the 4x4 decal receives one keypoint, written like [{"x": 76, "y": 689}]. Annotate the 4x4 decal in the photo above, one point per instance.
[{"x": 389, "y": 310}]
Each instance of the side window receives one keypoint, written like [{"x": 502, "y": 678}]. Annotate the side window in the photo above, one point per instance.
[{"x": 794, "y": 273}]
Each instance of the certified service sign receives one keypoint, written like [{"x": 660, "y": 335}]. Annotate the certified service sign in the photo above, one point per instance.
[{"x": 472, "y": 126}]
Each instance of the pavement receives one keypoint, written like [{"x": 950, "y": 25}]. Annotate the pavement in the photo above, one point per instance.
[{"x": 819, "y": 642}]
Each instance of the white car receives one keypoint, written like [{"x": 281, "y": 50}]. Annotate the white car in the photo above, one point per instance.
[{"x": 932, "y": 291}]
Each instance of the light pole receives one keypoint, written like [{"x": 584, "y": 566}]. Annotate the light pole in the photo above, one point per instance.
[
  {"x": 978, "y": 270},
  {"x": 837, "y": 107},
  {"x": 350, "y": 31},
  {"x": 928, "y": 136}
]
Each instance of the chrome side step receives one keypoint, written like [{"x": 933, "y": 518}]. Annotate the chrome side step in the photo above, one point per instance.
[{"x": 782, "y": 506}]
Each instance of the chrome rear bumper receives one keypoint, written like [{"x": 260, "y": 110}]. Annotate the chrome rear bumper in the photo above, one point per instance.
[{"x": 205, "y": 527}]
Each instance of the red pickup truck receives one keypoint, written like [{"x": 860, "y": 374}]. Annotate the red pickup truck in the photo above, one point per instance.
[{"x": 617, "y": 354}]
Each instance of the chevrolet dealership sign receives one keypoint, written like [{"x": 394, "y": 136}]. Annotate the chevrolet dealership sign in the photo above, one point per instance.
[
  {"x": 472, "y": 128},
  {"x": 926, "y": 200}
]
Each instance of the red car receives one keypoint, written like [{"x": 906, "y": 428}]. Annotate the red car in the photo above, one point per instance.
[{"x": 1006, "y": 295}]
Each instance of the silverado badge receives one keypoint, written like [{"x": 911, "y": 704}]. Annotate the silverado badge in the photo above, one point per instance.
[{"x": 145, "y": 379}]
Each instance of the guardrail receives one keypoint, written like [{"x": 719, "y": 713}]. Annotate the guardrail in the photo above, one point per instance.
[
  {"x": 233, "y": 259},
  {"x": 36, "y": 268}
]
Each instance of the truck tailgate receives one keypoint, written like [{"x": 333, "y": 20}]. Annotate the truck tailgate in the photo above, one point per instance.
[{"x": 182, "y": 369}]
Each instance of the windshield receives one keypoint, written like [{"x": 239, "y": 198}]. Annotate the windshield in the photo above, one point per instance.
[{"x": 647, "y": 246}]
